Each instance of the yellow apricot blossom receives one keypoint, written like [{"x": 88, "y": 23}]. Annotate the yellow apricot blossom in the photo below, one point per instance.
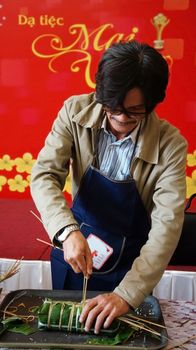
[
  {"x": 3, "y": 181},
  {"x": 25, "y": 163},
  {"x": 191, "y": 184},
  {"x": 6, "y": 163},
  {"x": 18, "y": 184},
  {"x": 191, "y": 159}
]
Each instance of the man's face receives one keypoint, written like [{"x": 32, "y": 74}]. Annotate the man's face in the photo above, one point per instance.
[{"x": 121, "y": 122}]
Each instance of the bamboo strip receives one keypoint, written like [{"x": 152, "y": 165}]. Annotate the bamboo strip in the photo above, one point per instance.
[
  {"x": 85, "y": 283},
  {"x": 12, "y": 270},
  {"x": 141, "y": 326},
  {"x": 51, "y": 245},
  {"x": 146, "y": 321}
]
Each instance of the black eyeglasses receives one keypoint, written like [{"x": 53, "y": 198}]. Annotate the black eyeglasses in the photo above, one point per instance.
[{"x": 129, "y": 114}]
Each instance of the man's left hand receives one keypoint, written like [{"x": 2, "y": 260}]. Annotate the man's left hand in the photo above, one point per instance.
[{"x": 103, "y": 309}]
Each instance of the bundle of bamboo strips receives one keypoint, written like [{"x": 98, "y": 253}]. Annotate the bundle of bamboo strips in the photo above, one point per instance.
[{"x": 12, "y": 270}]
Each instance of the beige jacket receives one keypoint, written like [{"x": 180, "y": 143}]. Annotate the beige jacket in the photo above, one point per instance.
[{"x": 158, "y": 169}]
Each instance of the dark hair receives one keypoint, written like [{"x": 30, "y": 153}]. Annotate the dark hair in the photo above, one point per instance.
[{"x": 126, "y": 65}]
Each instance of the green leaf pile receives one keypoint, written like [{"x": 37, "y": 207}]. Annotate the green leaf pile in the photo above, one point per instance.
[
  {"x": 124, "y": 333},
  {"x": 17, "y": 325}
]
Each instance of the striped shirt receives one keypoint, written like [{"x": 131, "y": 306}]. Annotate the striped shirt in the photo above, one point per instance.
[{"x": 114, "y": 156}]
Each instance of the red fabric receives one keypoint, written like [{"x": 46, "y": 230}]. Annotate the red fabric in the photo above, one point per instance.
[
  {"x": 32, "y": 90},
  {"x": 20, "y": 230},
  {"x": 181, "y": 268}
]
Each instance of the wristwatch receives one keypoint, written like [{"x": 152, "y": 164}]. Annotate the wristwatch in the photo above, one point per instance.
[{"x": 68, "y": 229}]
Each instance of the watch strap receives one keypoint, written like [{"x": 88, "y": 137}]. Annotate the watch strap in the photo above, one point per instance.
[{"x": 67, "y": 231}]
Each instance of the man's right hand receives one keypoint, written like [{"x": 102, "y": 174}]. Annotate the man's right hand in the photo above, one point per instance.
[{"x": 77, "y": 253}]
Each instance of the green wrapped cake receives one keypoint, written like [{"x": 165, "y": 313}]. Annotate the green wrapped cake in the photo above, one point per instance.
[{"x": 64, "y": 315}]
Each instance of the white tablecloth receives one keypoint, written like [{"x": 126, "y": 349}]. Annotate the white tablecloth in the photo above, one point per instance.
[
  {"x": 174, "y": 285},
  {"x": 177, "y": 285},
  {"x": 33, "y": 274}
]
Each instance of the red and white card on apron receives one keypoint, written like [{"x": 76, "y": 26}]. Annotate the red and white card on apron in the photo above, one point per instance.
[{"x": 100, "y": 250}]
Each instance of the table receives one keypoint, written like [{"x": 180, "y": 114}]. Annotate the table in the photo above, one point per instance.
[{"x": 180, "y": 320}]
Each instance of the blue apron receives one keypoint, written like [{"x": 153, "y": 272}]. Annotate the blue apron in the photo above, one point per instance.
[{"x": 113, "y": 211}]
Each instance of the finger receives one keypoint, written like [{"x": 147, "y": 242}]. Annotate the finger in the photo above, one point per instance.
[
  {"x": 92, "y": 315},
  {"x": 109, "y": 319},
  {"x": 74, "y": 265},
  {"x": 91, "y": 303},
  {"x": 81, "y": 262},
  {"x": 75, "y": 268},
  {"x": 100, "y": 320}
]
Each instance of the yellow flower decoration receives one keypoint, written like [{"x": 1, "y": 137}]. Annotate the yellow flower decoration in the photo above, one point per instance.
[
  {"x": 67, "y": 187},
  {"x": 25, "y": 163},
  {"x": 17, "y": 184},
  {"x": 6, "y": 163},
  {"x": 191, "y": 184},
  {"x": 3, "y": 181},
  {"x": 191, "y": 159}
]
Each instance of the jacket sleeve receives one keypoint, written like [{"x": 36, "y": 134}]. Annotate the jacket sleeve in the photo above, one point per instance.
[
  {"x": 49, "y": 175},
  {"x": 166, "y": 223}
]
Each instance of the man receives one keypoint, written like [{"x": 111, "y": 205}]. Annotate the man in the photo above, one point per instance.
[{"x": 128, "y": 177}]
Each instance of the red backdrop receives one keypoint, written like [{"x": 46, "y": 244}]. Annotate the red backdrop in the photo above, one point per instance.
[
  {"x": 41, "y": 40},
  {"x": 50, "y": 50}
]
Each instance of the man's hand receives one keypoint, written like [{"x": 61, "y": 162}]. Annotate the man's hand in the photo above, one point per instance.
[
  {"x": 104, "y": 308},
  {"x": 77, "y": 253}
]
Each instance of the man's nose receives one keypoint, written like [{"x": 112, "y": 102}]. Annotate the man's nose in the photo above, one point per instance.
[{"x": 122, "y": 116}]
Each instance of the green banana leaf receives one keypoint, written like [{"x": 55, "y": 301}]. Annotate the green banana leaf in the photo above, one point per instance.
[
  {"x": 17, "y": 325},
  {"x": 125, "y": 332}
]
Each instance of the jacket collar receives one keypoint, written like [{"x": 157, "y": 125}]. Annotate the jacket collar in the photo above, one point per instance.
[
  {"x": 91, "y": 116},
  {"x": 150, "y": 139}
]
